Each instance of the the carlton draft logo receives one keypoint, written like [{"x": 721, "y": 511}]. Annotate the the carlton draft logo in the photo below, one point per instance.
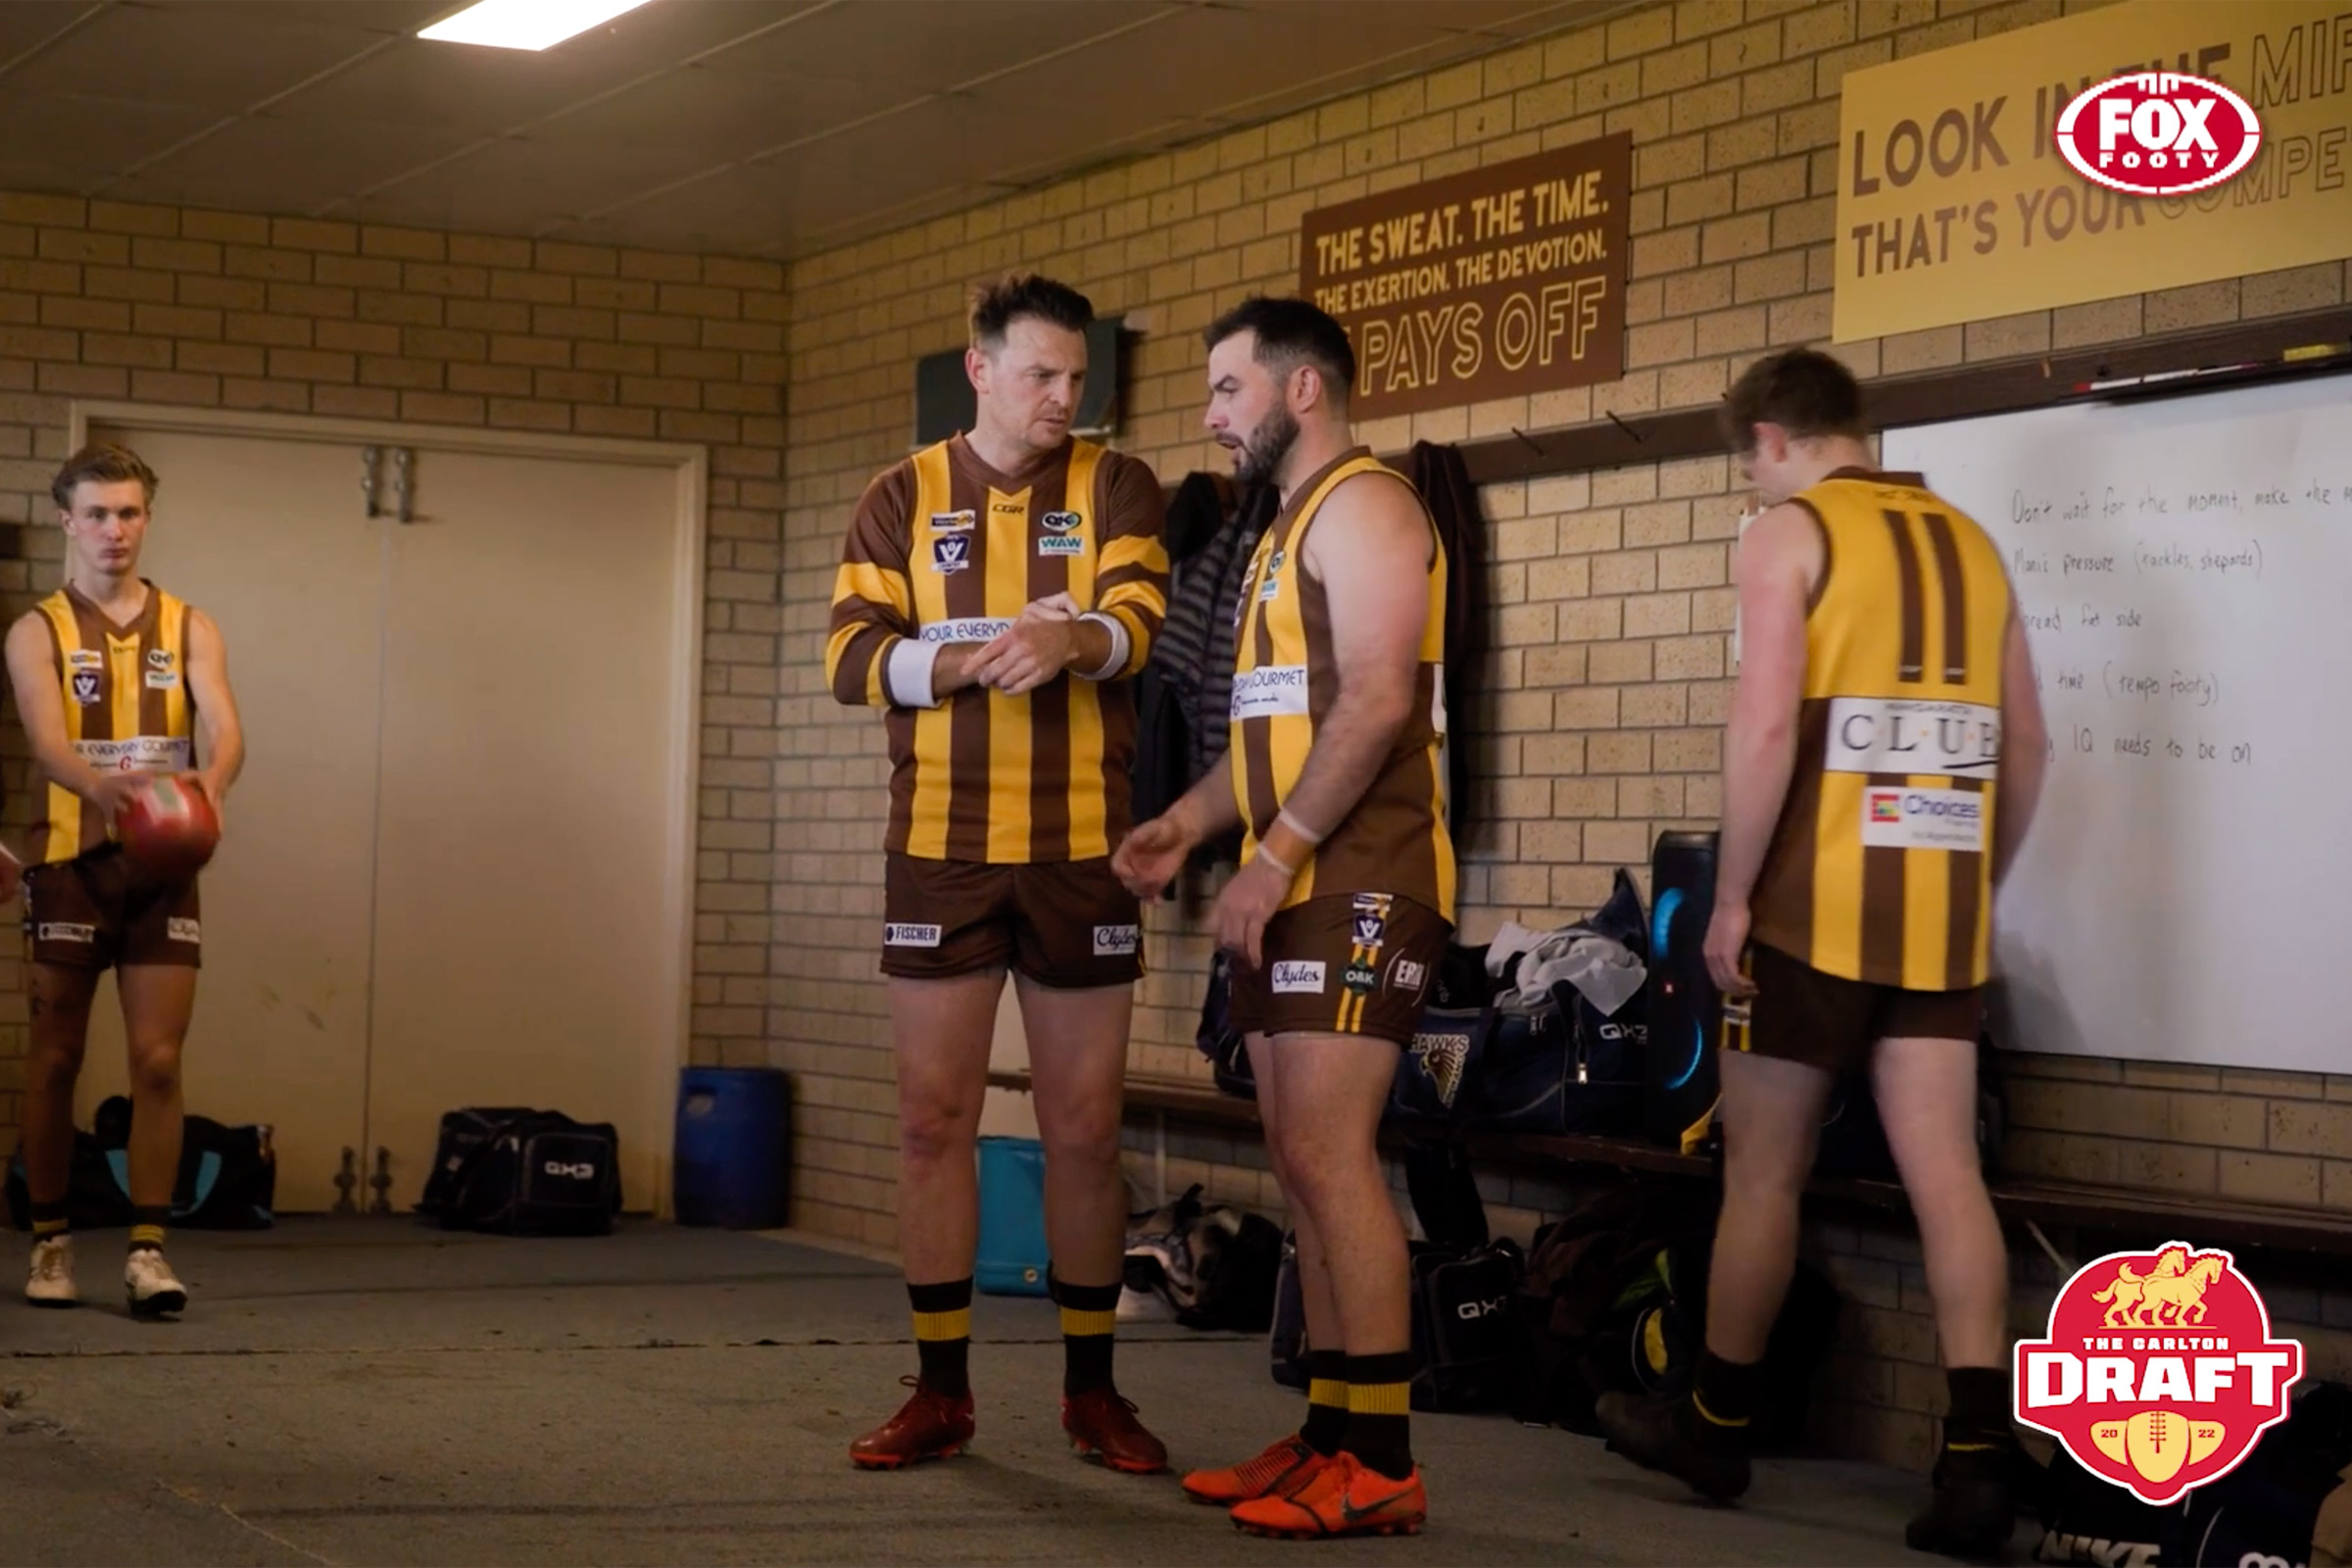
[
  {"x": 2159, "y": 1372},
  {"x": 2158, "y": 133}
]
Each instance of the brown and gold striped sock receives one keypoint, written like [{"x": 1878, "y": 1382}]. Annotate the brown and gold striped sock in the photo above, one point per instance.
[
  {"x": 943, "y": 1334},
  {"x": 1326, "y": 1427},
  {"x": 1380, "y": 1406},
  {"x": 1090, "y": 1321},
  {"x": 147, "y": 1222}
]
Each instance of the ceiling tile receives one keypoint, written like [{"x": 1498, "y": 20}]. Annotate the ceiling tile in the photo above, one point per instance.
[
  {"x": 287, "y": 166},
  {"x": 717, "y": 117},
  {"x": 91, "y": 138},
  {"x": 905, "y": 47},
  {"x": 513, "y": 184},
  {"x": 185, "y": 55}
]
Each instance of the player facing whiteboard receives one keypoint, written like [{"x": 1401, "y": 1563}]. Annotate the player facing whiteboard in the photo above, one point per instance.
[{"x": 2181, "y": 566}]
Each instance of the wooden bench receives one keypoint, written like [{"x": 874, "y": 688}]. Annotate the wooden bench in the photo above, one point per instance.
[{"x": 2136, "y": 1213}]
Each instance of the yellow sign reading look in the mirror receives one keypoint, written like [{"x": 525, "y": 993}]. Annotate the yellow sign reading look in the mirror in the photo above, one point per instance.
[{"x": 1953, "y": 203}]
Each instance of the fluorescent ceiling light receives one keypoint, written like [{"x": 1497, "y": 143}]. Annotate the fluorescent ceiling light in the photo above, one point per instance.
[{"x": 525, "y": 24}]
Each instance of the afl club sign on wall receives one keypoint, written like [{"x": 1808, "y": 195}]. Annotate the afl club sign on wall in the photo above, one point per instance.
[{"x": 1492, "y": 283}]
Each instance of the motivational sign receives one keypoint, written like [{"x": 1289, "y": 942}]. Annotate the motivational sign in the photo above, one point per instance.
[
  {"x": 1955, "y": 203},
  {"x": 1493, "y": 283}
]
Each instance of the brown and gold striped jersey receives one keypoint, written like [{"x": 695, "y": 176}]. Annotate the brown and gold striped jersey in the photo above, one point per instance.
[
  {"x": 944, "y": 549},
  {"x": 128, "y": 707},
  {"x": 1284, "y": 682},
  {"x": 1881, "y": 868}
]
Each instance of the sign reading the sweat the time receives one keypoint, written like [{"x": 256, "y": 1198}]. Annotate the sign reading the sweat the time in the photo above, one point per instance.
[{"x": 1492, "y": 283}]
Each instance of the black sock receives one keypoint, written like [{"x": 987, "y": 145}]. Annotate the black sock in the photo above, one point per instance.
[
  {"x": 1380, "y": 1406},
  {"x": 48, "y": 1219},
  {"x": 147, "y": 1222},
  {"x": 1723, "y": 1394},
  {"x": 1978, "y": 1417},
  {"x": 1090, "y": 1320},
  {"x": 943, "y": 1335},
  {"x": 1326, "y": 1402}
]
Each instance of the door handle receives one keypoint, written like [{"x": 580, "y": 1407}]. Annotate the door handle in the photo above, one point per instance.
[
  {"x": 345, "y": 1180},
  {"x": 382, "y": 1181}
]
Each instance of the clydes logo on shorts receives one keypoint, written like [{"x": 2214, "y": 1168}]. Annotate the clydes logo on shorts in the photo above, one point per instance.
[
  {"x": 2159, "y": 1372},
  {"x": 951, "y": 552},
  {"x": 1910, "y": 735},
  {"x": 182, "y": 929},
  {"x": 2158, "y": 133},
  {"x": 901, "y": 934},
  {"x": 1923, "y": 819},
  {"x": 1116, "y": 941},
  {"x": 951, "y": 521},
  {"x": 1061, "y": 521},
  {"x": 1298, "y": 975},
  {"x": 969, "y": 629},
  {"x": 65, "y": 931},
  {"x": 86, "y": 685},
  {"x": 1268, "y": 691},
  {"x": 1405, "y": 974},
  {"x": 1060, "y": 544}
]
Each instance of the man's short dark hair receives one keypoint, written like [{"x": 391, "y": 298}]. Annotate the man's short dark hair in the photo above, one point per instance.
[
  {"x": 1292, "y": 332},
  {"x": 1803, "y": 391},
  {"x": 105, "y": 463},
  {"x": 996, "y": 305}
]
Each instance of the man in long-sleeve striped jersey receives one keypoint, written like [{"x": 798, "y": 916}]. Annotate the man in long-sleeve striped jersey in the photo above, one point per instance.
[
  {"x": 997, "y": 593},
  {"x": 1880, "y": 766}
]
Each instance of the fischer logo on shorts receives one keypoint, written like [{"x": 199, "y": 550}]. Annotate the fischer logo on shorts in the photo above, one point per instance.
[
  {"x": 2158, "y": 133},
  {"x": 182, "y": 929},
  {"x": 1297, "y": 975},
  {"x": 65, "y": 931},
  {"x": 2158, "y": 1372},
  {"x": 897, "y": 934},
  {"x": 1116, "y": 941}
]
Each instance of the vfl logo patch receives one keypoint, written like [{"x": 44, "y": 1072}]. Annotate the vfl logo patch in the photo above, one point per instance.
[
  {"x": 1116, "y": 941},
  {"x": 901, "y": 934},
  {"x": 1295, "y": 975},
  {"x": 1061, "y": 521},
  {"x": 1060, "y": 544},
  {"x": 178, "y": 929},
  {"x": 952, "y": 553},
  {"x": 1370, "y": 929},
  {"x": 85, "y": 687},
  {"x": 945, "y": 521},
  {"x": 66, "y": 931}
]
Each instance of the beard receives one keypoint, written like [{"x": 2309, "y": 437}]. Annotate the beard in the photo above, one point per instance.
[{"x": 1259, "y": 458}]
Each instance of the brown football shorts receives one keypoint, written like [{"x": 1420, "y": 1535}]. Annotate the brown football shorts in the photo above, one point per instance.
[
  {"x": 1800, "y": 1015},
  {"x": 1349, "y": 963},
  {"x": 1069, "y": 924},
  {"x": 95, "y": 912}
]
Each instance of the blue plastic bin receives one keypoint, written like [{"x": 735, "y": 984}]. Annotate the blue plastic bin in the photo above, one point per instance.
[
  {"x": 732, "y": 1166},
  {"x": 1014, "y": 1254}
]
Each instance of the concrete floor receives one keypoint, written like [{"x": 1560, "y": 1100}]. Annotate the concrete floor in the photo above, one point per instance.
[{"x": 368, "y": 1391}]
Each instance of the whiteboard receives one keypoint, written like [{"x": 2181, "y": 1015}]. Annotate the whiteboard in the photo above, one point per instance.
[{"x": 2184, "y": 567}]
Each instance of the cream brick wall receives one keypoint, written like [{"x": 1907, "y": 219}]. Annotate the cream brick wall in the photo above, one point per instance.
[
  {"x": 100, "y": 300},
  {"x": 1599, "y": 726}
]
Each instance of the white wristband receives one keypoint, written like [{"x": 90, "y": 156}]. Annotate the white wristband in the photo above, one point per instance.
[
  {"x": 1285, "y": 818},
  {"x": 907, "y": 677},
  {"x": 1121, "y": 646}
]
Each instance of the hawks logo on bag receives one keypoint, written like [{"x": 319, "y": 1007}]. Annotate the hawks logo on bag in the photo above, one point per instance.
[{"x": 2159, "y": 1372}]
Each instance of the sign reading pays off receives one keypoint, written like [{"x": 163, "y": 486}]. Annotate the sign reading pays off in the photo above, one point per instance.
[
  {"x": 1955, "y": 203},
  {"x": 1493, "y": 283}
]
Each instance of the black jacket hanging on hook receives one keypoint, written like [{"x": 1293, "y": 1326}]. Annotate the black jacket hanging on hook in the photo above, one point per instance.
[{"x": 1439, "y": 473}]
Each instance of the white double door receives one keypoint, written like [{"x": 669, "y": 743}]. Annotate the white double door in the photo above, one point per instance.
[{"x": 456, "y": 871}]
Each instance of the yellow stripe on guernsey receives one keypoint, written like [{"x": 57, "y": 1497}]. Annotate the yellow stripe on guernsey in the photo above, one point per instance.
[
  {"x": 171, "y": 633},
  {"x": 1006, "y": 586},
  {"x": 63, "y": 838},
  {"x": 1089, "y": 831},
  {"x": 877, "y": 585},
  {"x": 927, "y": 835}
]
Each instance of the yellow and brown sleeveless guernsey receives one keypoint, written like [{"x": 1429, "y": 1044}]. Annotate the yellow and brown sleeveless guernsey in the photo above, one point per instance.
[
  {"x": 127, "y": 703},
  {"x": 945, "y": 549},
  {"x": 1284, "y": 678},
  {"x": 1881, "y": 868}
]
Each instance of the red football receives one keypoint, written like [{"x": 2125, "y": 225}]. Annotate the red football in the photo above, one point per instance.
[{"x": 169, "y": 829}]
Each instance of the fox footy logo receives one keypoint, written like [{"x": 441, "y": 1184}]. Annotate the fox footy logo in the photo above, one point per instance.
[
  {"x": 2158, "y": 133},
  {"x": 2159, "y": 1371}
]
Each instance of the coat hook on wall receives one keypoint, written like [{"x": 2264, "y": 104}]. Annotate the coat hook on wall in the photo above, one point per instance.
[
  {"x": 368, "y": 457},
  {"x": 403, "y": 483}
]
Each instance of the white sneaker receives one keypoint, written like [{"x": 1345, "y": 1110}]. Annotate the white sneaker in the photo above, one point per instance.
[
  {"x": 51, "y": 1281},
  {"x": 155, "y": 1290}
]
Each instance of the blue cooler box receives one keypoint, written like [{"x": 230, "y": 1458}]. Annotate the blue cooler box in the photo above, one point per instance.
[{"x": 1014, "y": 1254}]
